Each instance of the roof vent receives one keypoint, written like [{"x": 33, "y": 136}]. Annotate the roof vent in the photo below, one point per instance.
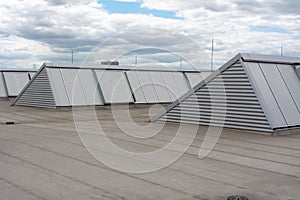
[{"x": 297, "y": 70}]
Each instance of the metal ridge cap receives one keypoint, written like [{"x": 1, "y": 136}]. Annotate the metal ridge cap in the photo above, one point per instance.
[
  {"x": 120, "y": 67},
  {"x": 248, "y": 57}
]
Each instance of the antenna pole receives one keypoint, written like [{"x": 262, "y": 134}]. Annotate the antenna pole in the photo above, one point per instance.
[
  {"x": 136, "y": 57},
  {"x": 212, "y": 55},
  {"x": 72, "y": 56},
  {"x": 180, "y": 63}
]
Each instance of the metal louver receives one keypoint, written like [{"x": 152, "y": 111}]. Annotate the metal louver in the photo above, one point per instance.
[
  {"x": 227, "y": 100},
  {"x": 38, "y": 93}
]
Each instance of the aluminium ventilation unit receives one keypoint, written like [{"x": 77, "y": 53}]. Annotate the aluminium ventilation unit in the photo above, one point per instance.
[
  {"x": 252, "y": 92},
  {"x": 59, "y": 85}
]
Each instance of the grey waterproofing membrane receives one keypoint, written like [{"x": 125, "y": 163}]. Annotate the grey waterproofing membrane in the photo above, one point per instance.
[
  {"x": 42, "y": 157},
  {"x": 13, "y": 80},
  {"x": 253, "y": 92},
  {"x": 58, "y": 85}
]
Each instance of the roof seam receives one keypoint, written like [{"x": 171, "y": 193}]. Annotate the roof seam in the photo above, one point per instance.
[
  {"x": 288, "y": 88},
  {"x": 273, "y": 94}
]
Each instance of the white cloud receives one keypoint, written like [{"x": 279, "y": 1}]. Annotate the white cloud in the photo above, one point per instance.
[
  {"x": 181, "y": 6},
  {"x": 254, "y": 6},
  {"x": 69, "y": 2},
  {"x": 34, "y": 31}
]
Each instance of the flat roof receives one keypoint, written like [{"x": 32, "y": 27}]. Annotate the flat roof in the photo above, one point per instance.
[{"x": 42, "y": 157}]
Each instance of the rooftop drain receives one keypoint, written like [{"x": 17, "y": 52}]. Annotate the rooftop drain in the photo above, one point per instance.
[
  {"x": 8, "y": 123},
  {"x": 237, "y": 197}
]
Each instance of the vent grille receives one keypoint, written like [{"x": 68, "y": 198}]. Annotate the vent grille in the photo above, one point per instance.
[
  {"x": 39, "y": 93},
  {"x": 228, "y": 100}
]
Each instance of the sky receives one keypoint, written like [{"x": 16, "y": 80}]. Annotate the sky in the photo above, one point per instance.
[{"x": 173, "y": 33}]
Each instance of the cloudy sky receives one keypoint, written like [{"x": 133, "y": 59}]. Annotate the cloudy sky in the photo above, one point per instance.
[{"x": 150, "y": 31}]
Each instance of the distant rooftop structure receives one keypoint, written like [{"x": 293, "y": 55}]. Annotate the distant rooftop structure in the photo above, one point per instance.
[
  {"x": 109, "y": 63},
  {"x": 252, "y": 92},
  {"x": 13, "y": 80},
  {"x": 60, "y": 85}
]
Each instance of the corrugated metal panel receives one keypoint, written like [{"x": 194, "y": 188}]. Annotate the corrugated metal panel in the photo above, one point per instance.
[
  {"x": 181, "y": 83},
  {"x": 58, "y": 87},
  {"x": 90, "y": 87},
  {"x": 228, "y": 104},
  {"x": 292, "y": 82},
  {"x": 281, "y": 94},
  {"x": 3, "y": 91},
  {"x": 38, "y": 93},
  {"x": 73, "y": 87},
  {"x": 15, "y": 82},
  {"x": 157, "y": 87},
  {"x": 143, "y": 87},
  {"x": 171, "y": 85},
  {"x": 136, "y": 87},
  {"x": 265, "y": 95},
  {"x": 147, "y": 87},
  {"x": 114, "y": 86},
  {"x": 160, "y": 87}
]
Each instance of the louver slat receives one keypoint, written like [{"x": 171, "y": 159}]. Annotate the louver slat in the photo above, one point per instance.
[
  {"x": 39, "y": 93},
  {"x": 227, "y": 100}
]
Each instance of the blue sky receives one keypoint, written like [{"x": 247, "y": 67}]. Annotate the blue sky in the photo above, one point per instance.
[
  {"x": 124, "y": 7},
  {"x": 269, "y": 29}
]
